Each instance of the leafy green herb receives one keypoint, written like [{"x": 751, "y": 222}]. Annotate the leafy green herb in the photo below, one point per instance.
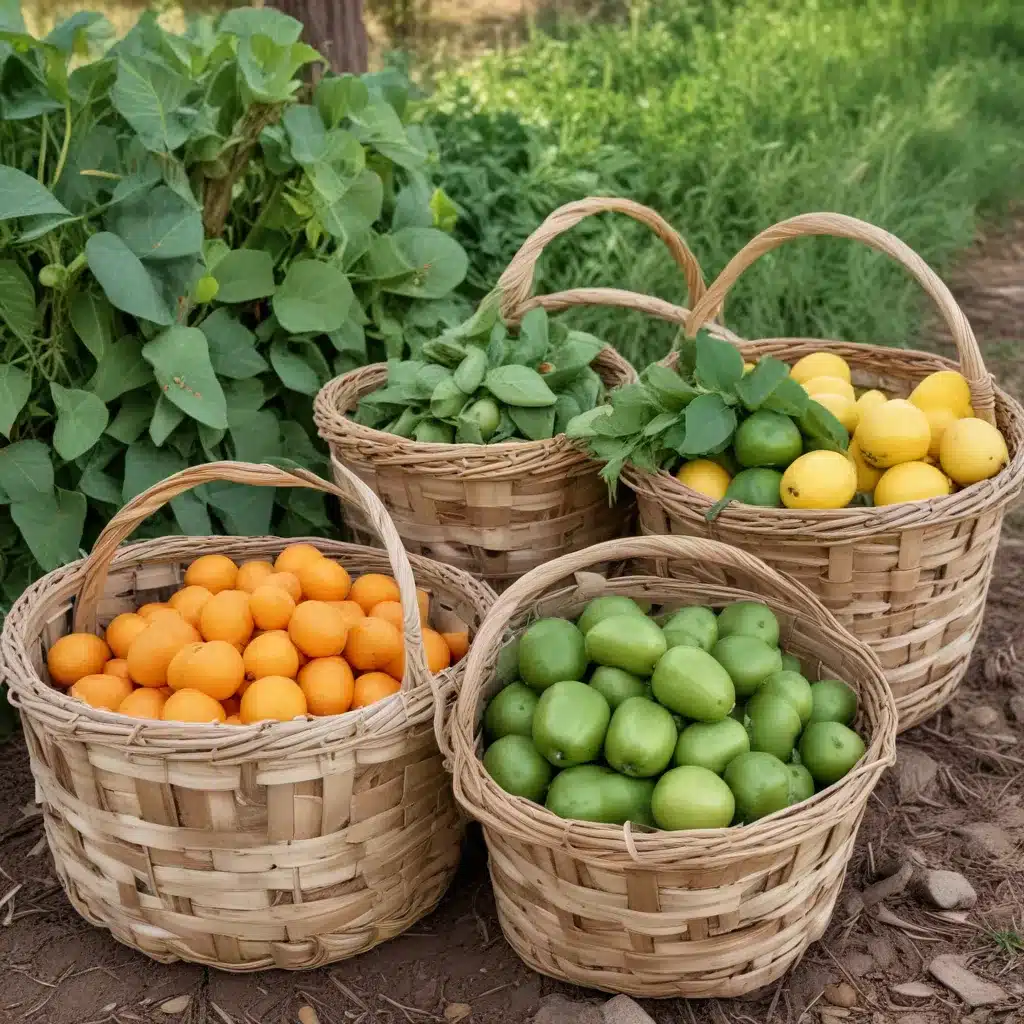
[
  {"x": 693, "y": 411},
  {"x": 485, "y": 386}
]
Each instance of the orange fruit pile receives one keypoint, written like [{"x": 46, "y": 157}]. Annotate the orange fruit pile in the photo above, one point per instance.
[{"x": 254, "y": 642}]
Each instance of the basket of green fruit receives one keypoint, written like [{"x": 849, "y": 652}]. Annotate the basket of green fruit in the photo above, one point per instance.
[
  {"x": 465, "y": 443},
  {"x": 877, "y": 477},
  {"x": 670, "y": 770}
]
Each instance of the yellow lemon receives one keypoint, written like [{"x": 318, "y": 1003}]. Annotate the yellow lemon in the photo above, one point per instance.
[
  {"x": 867, "y": 476},
  {"x": 939, "y": 418},
  {"x": 911, "y": 481},
  {"x": 820, "y": 364},
  {"x": 747, "y": 367},
  {"x": 705, "y": 476},
  {"x": 819, "y": 480},
  {"x": 869, "y": 400},
  {"x": 844, "y": 409},
  {"x": 829, "y": 385},
  {"x": 946, "y": 389},
  {"x": 893, "y": 433},
  {"x": 972, "y": 450}
]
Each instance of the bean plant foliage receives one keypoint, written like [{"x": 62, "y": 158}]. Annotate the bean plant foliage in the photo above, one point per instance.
[
  {"x": 193, "y": 239},
  {"x": 692, "y": 411}
]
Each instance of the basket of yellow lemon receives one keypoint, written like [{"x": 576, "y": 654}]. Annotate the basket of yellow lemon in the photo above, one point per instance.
[
  {"x": 233, "y": 738},
  {"x": 877, "y": 477}
]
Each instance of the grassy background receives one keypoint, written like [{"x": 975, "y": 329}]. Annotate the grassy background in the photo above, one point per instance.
[{"x": 728, "y": 116}]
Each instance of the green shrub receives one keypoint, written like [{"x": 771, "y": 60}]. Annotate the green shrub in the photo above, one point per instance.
[
  {"x": 727, "y": 117},
  {"x": 193, "y": 242}
]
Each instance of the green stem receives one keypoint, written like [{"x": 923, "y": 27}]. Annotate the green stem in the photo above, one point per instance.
[
  {"x": 265, "y": 209},
  {"x": 41, "y": 170},
  {"x": 65, "y": 146}
]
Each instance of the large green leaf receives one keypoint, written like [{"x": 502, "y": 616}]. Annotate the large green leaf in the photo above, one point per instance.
[
  {"x": 52, "y": 525},
  {"x": 232, "y": 346},
  {"x": 313, "y": 298},
  {"x": 255, "y": 435},
  {"x": 124, "y": 279},
  {"x": 180, "y": 358},
  {"x": 91, "y": 317},
  {"x": 440, "y": 263},
  {"x": 351, "y": 217},
  {"x": 306, "y": 133},
  {"x": 337, "y": 96},
  {"x": 22, "y": 196},
  {"x": 159, "y": 225},
  {"x": 243, "y": 275},
  {"x": 295, "y": 372},
  {"x": 149, "y": 96},
  {"x": 166, "y": 417},
  {"x": 379, "y": 126},
  {"x": 25, "y": 470},
  {"x": 17, "y": 300},
  {"x": 146, "y": 465},
  {"x": 134, "y": 414},
  {"x": 26, "y": 93},
  {"x": 78, "y": 31},
  {"x": 261, "y": 21},
  {"x": 268, "y": 68},
  {"x": 120, "y": 369},
  {"x": 245, "y": 511},
  {"x": 81, "y": 419},
  {"x": 15, "y": 387}
]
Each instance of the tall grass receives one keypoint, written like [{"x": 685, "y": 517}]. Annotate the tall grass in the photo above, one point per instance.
[{"x": 728, "y": 116}]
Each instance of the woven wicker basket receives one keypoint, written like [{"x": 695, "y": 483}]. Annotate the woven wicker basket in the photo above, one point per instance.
[
  {"x": 496, "y": 510},
  {"x": 285, "y": 845},
  {"x": 695, "y": 914},
  {"x": 911, "y": 579}
]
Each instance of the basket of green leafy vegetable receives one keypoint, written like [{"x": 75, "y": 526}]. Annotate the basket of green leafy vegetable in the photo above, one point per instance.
[{"x": 465, "y": 443}]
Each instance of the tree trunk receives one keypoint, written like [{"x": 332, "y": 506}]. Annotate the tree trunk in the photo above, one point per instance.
[{"x": 335, "y": 28}]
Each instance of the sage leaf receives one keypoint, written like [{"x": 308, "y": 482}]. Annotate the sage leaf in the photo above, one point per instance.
[
  {"x": 719, "y": 365},
  {"x": 710, "y": 423},
  {"x": 754, "y": 388},
  {"x": 535, "y": 424},
  {"x": 470, "y": 373},
  {"x": 673, "y": 392},
  {"x": 519, "y": 385}
]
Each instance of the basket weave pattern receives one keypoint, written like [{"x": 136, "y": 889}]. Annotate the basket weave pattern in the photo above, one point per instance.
[
  {"x": 698, "y": 914},
  {"x": 496, "y": 510},
  {"x": 286, "y": 845},
  {"x": 909, "y": 579}
]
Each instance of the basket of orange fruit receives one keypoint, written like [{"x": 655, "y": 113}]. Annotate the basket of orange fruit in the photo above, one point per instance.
[{"x": 233, "y": 738}]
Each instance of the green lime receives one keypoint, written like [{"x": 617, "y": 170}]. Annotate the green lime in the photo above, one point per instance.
[
  {"x": 485, "y": 414},
  {"x": 569, "y": 723},
  {"x": 749, "y": 618},
  {"x": 604, "y": 608},
  {"x": 793, "y": 687},
  {"x": 833, "y": 701},
  {"x": 579, "y": 793},
  {"x": 617, "y": 685},
  {"x": 774, "y": 725},
  {"x": 549, "y": 651},
  {"x": 757, "y": 487},
  {"x": 767, "y": 438},
  {"x": 630, "y": 642},
  {"x": 791, "y": 663},
  {"x": 760, "y": 784},
  {"x": 692, "y": 627},
  {"x": 748, "y": 660},
  {"x": 691, "y": 683},
  {"x": 801, "y": 784},
  {"x": 711, "y": 745},
  {"x": 510, "y": 712},
  {"x": 515, "y": 764},
  {"x": 640, "y": 739},
  {"x": 691, "y": 797},
  {"x": 828, "y": 750},
  {"x": 627, "y": 799}
]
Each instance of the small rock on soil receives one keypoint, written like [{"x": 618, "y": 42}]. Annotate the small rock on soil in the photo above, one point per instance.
[
  {"x": 915, "y": 774},
  {"x": 947, "y": 890},
  {"x": 974, "y": 991},
  {"x": 557, "y": 1009},
  {"x": 985, "y": 838},
  {"x": 843, "y": 994},
  {"x": 623, "y": 1010}
]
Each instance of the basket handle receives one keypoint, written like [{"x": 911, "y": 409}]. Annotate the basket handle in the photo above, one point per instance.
[
  {"x": 533, "y": 585},
  {"x": 841, "y": 226},
  {"x": 350, "y": 489},
  {"x": 516, "y": 283}
]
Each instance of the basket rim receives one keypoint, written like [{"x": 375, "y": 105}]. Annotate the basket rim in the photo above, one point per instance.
[
  {"x": 224, "y": 743},
  {"x": 623, "y": 846},
  {"x": 338, "y": 429},
  {"x": 846, "y": 524}
]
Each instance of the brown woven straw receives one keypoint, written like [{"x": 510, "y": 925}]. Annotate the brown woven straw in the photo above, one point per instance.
[
  {"x": 695, "y": 914},
  {"x": 287, "y": 845},
  {"x": 496, "y": 510},
  {"x": 909, "y": 579}
]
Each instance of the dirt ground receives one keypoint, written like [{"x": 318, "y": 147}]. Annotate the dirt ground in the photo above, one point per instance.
[{"x": 57, "y": 969}]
